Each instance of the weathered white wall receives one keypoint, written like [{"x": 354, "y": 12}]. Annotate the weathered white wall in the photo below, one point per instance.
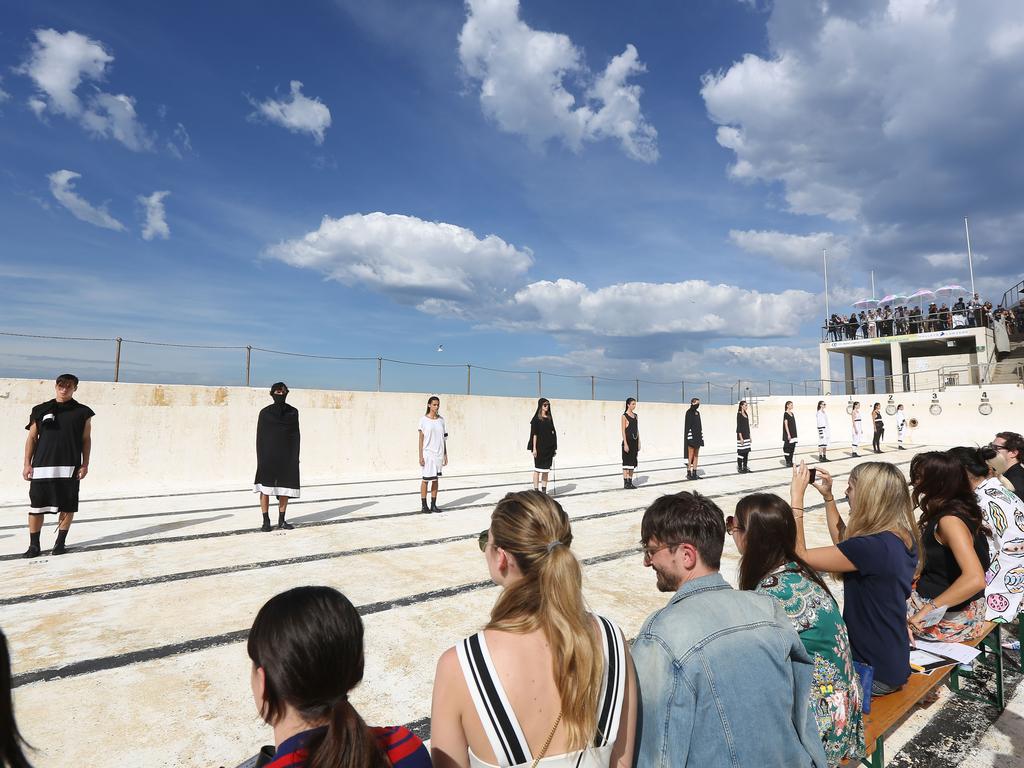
[{"x": 165, "y": 437}]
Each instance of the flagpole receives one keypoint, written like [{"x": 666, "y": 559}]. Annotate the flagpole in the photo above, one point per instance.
[
  {"x": 824, "y": 259},
  {"x": 970, "y": 259},
  {"x": 872, "y": 285}
]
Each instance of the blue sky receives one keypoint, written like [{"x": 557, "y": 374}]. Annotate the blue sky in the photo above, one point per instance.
[{"x": 635, "y": 190}]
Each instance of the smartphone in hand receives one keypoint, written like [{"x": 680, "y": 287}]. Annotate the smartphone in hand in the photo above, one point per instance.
[{"x": 813, "y": 474}]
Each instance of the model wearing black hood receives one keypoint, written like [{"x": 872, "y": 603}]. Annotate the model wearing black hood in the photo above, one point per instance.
[{"x": 277, "y": 456}]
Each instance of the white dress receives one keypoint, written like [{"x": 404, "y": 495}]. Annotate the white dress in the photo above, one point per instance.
[
  {"x": 824, "y": 435},
  {"x": 502, "y": 727},
  {"x": 434, "y": 434},
  {"x": 857, "y": 432}
]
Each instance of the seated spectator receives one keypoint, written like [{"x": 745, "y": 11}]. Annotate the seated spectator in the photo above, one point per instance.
[
  {"x": 11, "y": 742},
  {"x": 1008, "y": 447},
  {"x": 545, "y": 679},
  {"x": 764, "y": 531},
  {"x": 954, "y": 541},
  {"x": 1004, "y": 514},
  {"x": 306, "y": 647},
  {"x": 724, "y": 678},
  {"x": 877, "y": 557}
]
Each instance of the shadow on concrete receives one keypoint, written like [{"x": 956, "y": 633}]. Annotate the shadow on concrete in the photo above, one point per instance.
[
  {"x": 640, "y": 479},
  {"x": 327, "y": 514},
  {"x": 563, "y": 488},
  {"x": 463, "y": 500},
  {"x": 152, "y": 529}
]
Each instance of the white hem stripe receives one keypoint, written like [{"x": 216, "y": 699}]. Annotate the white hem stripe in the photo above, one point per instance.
[
  {"x": 292, "y": 493},
  {"x": 53, "y": 473}
]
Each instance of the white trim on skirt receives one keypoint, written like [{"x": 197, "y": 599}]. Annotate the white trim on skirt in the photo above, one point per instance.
[
  {"x": 53, "y": 473},
  {"x": 292, "y": 493}
]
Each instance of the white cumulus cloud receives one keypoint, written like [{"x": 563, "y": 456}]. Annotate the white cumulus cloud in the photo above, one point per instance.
[
  {"x": 898, "y": 116},
  {"x": 156, "y": 217},
  {"x": 801, "y": 251},
  {"x": 58, "y": 63},
  {"x": 62, "y": 186},
  {"x": 522, "y": 74},
  {"x": 435, "y": 265},
  {"x": 298, "y": 113},
  {"x": 693, "y": 308}
]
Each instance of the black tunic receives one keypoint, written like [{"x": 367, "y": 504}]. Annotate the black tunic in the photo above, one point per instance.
[
  {"x": 788, "y": 418},
  {"x": 547, "y": 441},
  {"x": 694, "y": 435},
  {"x": 629, "y": 459},
  {"x": 58, "y": 455},
  {"x": 742, "y": 435},
  {"x": 277, "y": 451}
]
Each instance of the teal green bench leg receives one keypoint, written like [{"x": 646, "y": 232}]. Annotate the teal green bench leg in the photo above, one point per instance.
[{"x": 877, "y": 758}]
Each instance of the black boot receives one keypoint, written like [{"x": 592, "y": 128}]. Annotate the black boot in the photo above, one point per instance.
[
  {"x": 283, "y": 525},
  {"x": 739, "y": 466},
  {"x": 59, "y": 548},
  {"x": 266, "y": 528},
  {"x": 625, "y": 482},
  {"x": 33, "y": 546},
  {"x": 630, "y": 484},
  {"x": 433, "y": 505},
  {"x": 746, "y": 464},
  {"x": 423, "y": 502}
]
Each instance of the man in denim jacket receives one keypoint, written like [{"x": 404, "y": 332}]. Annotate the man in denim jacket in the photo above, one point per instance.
[{"x": 724, "y": 678}]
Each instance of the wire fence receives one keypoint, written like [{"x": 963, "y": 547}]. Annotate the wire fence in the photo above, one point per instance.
[{"x": 155, "y": 362}]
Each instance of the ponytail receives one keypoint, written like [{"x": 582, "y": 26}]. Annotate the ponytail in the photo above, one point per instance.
[
  {"x": 348, "y": 742},
  {"x": 534, "y": 529}
]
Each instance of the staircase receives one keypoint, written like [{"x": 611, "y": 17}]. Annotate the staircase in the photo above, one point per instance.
[{"x": 1011, "y": 369}]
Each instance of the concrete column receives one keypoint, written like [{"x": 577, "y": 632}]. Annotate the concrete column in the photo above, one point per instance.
[
  {"x": 826, "y": 369},
  {"x": 887, "y": 384},
  {"x": 869, "y": 373},
  {"x": 896, "y": 366},
  {"x": 848, "y": 372}
]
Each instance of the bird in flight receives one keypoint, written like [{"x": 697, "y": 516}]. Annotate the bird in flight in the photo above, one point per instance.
[{"x": 440, "y": 347}]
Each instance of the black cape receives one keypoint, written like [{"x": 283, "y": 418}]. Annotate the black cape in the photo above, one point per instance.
[
  {"x": 277, "y": 447},
  {"x": 694, "y": 434}
]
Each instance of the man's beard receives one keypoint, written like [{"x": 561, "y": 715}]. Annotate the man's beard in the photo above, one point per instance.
[{"x": 665, "y": 583}]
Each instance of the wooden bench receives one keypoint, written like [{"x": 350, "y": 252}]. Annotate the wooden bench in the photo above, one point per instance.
[{"x": 888, "y": 711}]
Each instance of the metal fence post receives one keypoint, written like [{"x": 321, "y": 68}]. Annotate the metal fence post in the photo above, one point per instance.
[
  {"x": 709, "y": 391},
  {"x": 380, "y": 365},
  {"x": 593, "y": 389},
  {"x": 469, "y": 379},
  {"x": 769, "y": 387},
  {"x": 539, "y": 388},
  {"x": 248, "y": 362},
  {"x": 117, "y": 359},
  {"x": 638, "y": 389},
  {"x": 682, "y": 392}
]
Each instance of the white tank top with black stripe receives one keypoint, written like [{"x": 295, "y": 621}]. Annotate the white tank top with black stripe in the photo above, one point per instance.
[{"x": 501, "y": 726}]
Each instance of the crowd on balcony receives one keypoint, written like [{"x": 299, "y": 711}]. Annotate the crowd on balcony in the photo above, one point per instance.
[{"x": 894, "y": 321}]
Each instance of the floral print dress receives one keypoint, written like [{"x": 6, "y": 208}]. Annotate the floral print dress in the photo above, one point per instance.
[{"x": 836, "y": 693}]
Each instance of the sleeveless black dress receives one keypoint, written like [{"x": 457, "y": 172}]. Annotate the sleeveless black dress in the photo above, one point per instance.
[{"x": 629, "y": 459}]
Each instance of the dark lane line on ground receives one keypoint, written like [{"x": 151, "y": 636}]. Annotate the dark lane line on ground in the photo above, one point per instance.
[
  {"x": 387, "y": 516},
  {"x": 105, "y": 663},
  {"x": 292, "y": 504}
]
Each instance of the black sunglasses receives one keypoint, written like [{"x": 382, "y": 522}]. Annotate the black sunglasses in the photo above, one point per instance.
[{"x": 482, "y": 539}]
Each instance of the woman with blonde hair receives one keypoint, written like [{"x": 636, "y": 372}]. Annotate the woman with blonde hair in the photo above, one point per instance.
[
  {"x": 545, "y": 676},
  {"x": 877, "y": 557}
]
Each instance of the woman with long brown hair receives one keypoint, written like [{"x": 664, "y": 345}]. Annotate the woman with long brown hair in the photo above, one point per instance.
[
  {"x": 306, "y": 647},
  {"x": 948, "y": 601},
  {"x": 876, "y": 555},
  {"x": 545, "y": 676},
  {"x": 764, "y": 531}
]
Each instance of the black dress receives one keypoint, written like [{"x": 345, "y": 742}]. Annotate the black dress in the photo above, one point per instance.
[
  {"x": 742, "y": 436},
  {"x": 694, "y": 435},
  {"x": 789, "y": 443},
  {"x": 629, "y": 459},
  {"x": 57, "y": 456},
  {"x": 277, "y": 451},
  {"x": 547, "y": 442}
]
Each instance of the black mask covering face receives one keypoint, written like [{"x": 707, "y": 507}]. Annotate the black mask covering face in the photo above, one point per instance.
[{"x": 279, "y": 399}]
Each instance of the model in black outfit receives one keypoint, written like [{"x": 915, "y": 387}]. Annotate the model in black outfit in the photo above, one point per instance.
[
  {"x": 630, "y": 443},
  {"x": 694, "y": 438},
  {"x": 876, "y": 417},
  {"x": 742, "y": 438},
  {"x": 277, "y": 456},
  {"x": 543, "y": 443},
  {"x": 788, "y": 433}
]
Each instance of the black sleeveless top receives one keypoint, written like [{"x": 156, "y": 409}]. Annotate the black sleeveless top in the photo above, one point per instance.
[
  {"x": 788, "y": 418},
  {"x": 940, "y": 566},
  {"x": 632, "y": 430}
]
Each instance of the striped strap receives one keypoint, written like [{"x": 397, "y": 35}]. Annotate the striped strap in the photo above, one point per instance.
[
  {"x": 613, "y": 692},
  {"x": 503, "y": 732}
]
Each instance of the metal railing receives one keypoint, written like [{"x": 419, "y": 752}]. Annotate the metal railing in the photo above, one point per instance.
[
  {"x": 1012, "y": 296},
  {"x": 137, "y": 360},
  {"x": 943, "y": 321}
]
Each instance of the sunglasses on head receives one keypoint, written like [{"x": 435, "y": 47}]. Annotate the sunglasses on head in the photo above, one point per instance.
[{"x": 482, "y": 539}]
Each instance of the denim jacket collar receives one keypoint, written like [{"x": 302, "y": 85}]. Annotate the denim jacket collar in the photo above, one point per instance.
[{"x": 701, "y": 584}]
